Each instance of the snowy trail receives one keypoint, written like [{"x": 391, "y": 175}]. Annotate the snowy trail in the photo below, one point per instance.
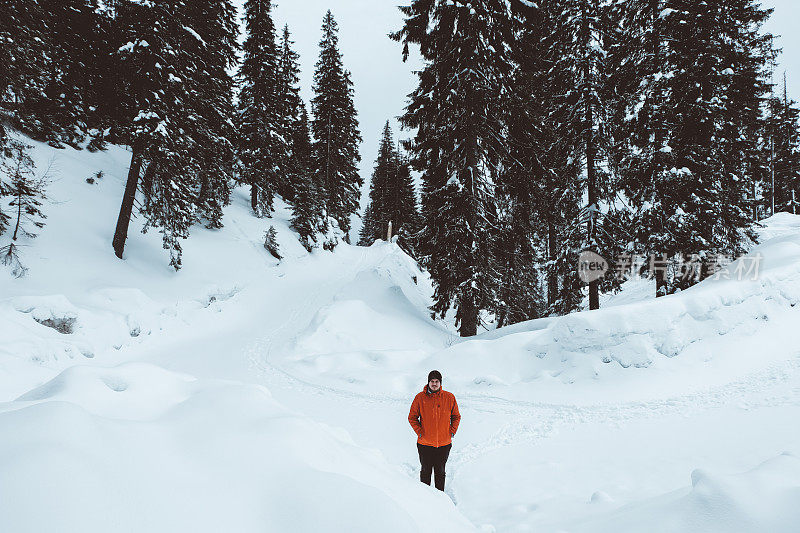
[
  {"x": 775, "y": 386},
  {"x": 513, "y": 422}
]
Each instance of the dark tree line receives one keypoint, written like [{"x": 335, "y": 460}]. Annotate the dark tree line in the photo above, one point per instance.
[
  {"x": 155, "y": 76},
  {"x": 547, "y": 129},
  {"x": 541, "y": 131}
]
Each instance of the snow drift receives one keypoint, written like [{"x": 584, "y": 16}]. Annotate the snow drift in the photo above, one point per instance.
[
  {"x": 137, "y": 448},
  {"x": 762, "y": 499}
]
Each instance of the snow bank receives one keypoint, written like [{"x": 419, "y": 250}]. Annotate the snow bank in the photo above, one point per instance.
[
  {"x": 79, "y": 302},
  {"x": 592, "y": 345},
  {"x": 137, "y": 448},
  {"x": 375, "y": 334},
  {"x": 52, "y": 333},
  {"x": 766, "y": 498},
  {"x": 374, "y": 328}
]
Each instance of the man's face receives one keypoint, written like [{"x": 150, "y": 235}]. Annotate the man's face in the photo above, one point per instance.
[{"x": 434, "y": 384}]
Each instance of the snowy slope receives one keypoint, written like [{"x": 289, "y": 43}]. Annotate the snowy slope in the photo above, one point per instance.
[
  {"x": 105, "y": 444},
  {"x": 137, "y": 448},
  {"x": 243, "y": 393}
]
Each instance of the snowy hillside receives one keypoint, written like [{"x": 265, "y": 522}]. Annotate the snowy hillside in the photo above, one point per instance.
[{"x": 247, "y": 394}]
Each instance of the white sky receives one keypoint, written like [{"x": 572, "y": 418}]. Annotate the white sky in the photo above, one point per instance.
[
  {"x": 382, "y": 81},
  {"x": 784, "y": 23}
]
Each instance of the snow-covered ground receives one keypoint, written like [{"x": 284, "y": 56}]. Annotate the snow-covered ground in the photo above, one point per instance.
[{"x": 247, "y": 394}]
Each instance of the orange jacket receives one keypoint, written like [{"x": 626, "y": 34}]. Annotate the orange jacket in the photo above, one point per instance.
[{"x": 434, "y": 417}]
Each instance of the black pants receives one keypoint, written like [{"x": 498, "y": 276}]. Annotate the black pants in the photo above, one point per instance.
[{"x": 433, "y": 459}]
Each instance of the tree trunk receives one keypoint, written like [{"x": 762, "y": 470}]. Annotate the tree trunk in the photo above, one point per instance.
[
  {"x": 19, "y": 214},
  {"x": 501, "y": 318},
  {"x": 591, "y": 151},
  {"x": 552, "y": 273},
  {"x": 254, "y": 198},
  {"x": 124, "y": 219},
  {"x": 468, "y": 316}
]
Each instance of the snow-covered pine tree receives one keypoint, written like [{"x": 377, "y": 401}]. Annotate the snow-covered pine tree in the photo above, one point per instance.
[
  {"x": 161, "y": 73},
  {"x": 782, "y": 152},
  {"x": 288, "y": 103},
  {"x": 539, "y": 187},
  {"x": 639, "y": 119},
  {"x": 580, "y": 40},
  {"x": 747, "y": 54},
  {"x": 458, "y": 144},
  {"x": 391, "y": 196},
  {"x": 271, "y": 243},
  {"x": 693, "y": 154},
  {"x": 211, "y": 40},
  {"x": 307, "y": 204},
  {"x": 261, "y": 147},
  {"x": 22, "y": 61},
  {"x": 76, "y": 49},
  {"x": 407, "y": 205},
  {"x": 18, "y": 179},
  {"x": 335, "y": 129},
  {"x": 58, "y": 75},
  {"x": 374, "y": 222}
]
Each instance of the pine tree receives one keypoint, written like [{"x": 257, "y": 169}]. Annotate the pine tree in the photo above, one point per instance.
[
  {"x": 212, "y": 42},
  {"x": 392, "y": 199},
  {"x": 782, "y": 153},
  {"x": 163, "y": 133},
  {"x": 18, "y": 180},
  {"x": 271, "y": 243},
  {"x": 335, "y": 129},
  {"x": 581, "y": 40},
  {"x": 22, "y": 61},
  {"x": 261, "y": 146},
  {"x": 458, "y": 145},
  {"x": 288, "y": 103},
  {"x": 76, "y": 48},
  {"x": 306, "y": 206},
  {"x": 539, "y": 189},
  {"x": 406, "y": 207},
  {"x": 693, "y": 151},
  {"x": 57, "y": 73}
]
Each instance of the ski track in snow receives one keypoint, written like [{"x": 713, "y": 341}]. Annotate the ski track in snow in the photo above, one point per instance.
[
  {"x": 531, "y": 421},
  {"x": 543, "y": 419},
  {"x": 259, "y": 352}
]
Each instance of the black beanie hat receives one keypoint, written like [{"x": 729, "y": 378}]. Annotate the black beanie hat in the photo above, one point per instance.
[{"x": 435, "y": 374}]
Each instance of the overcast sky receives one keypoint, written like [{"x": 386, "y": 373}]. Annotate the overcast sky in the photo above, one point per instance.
[
  {"x": 382, "y": 81},
  {"x": 784, "y": 23}
]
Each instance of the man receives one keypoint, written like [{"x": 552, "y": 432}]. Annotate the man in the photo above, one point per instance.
[{"x": 434, "y": 416}]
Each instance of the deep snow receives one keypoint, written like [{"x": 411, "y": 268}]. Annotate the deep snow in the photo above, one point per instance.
[{"x": 247, "y": 394}]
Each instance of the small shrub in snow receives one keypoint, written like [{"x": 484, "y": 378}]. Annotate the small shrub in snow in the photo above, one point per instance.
[
  {"x": 9, "y": 256},
  {"x": 271, "y": 244},
  {"x": 97, "y": 176}
]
